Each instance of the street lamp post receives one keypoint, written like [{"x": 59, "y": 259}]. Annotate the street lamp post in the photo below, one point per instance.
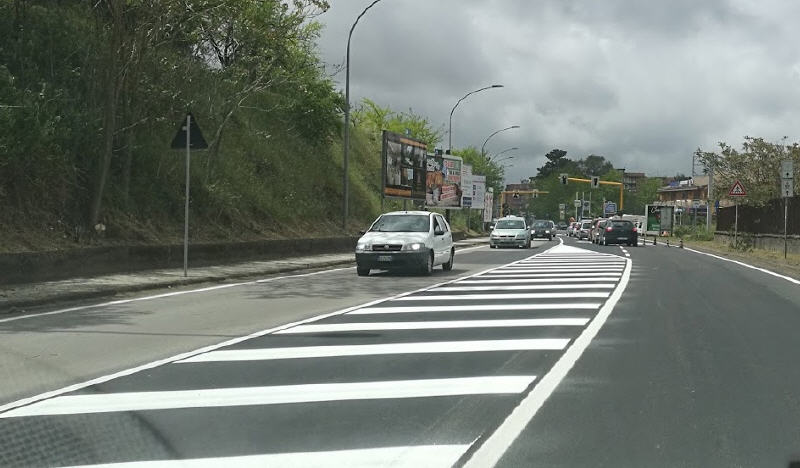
[
  {"x": 505, "y": 151},
  {"x": 503, "y": 159},
  {"x": 346, "y": 190},
  {"x": 483, "y": 148},
  {"x": 450, "y": 129}
]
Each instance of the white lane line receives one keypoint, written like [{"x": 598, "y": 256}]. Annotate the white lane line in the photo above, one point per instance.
[
  {"x": 493, "y": 448},
  {"x": 548, "y": 275},
  {"x": 553, "y": 270},
  {"x": 544, "y": 279},
  {"x": 396, "y": 457},
  {"x": 422, "y": 347},
  {"x": 528, "y": 287},
  {"x": 273, "y": 395},
  {"x": 435, "y": 324},
  {"x": 763, "y": 270},
  {"x": 480, "y": 297},
  {"x": 477, "y": 308},
  {"x": 557, "y": 264}
]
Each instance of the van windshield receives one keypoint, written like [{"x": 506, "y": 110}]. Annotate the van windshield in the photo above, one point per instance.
[{"x": 510, "y": 224}]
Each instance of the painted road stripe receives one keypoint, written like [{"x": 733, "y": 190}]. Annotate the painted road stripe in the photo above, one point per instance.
[
  {"x": 544, "y": 279},
  {"x": 435, "y": 324},
  {"x": 526, "y": 287},
  {"x": 555, "y": 270},
  {"x": 562, "y": 265},
  {"x": 395, "y": 457},
  {"x": 481, "y": 297},
  {"x": 429, "y": 347},
  {"x": 548, "y": 275},
  {"x": 274, "y": 395},
  {"x": 493, "y": 447},
  {"x": 478, "y": 307}
]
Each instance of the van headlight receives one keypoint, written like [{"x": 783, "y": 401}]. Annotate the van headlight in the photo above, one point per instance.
[
  {"x": 520, "y": 236},
  {"x": 414, "y": 246},
  {"x": 363, "y": 247}
]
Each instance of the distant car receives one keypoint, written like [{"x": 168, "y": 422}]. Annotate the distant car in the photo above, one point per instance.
[
  {"x": 510, "y": 231},
  {"x": 584, "y": 230},
  {"x": 543, "y": 230},
  {"x": 563, "y": 226},
  {"x": 619, "y": 231},
  {"x": 597, "y": 224},
  {"x": 416, "y": 240}
]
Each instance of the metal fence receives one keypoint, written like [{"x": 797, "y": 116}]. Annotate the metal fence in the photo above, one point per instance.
[{"x": 767, "y": 219}]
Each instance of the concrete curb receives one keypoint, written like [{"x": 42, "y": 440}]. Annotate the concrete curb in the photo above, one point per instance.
[{"x": 12, "y": 306}]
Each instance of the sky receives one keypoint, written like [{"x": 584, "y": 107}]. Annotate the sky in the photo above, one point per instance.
[{"x": 642, "y": 83}]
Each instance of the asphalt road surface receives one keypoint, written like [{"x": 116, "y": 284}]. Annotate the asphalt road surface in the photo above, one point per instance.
[{"x": 564, "y": 355}]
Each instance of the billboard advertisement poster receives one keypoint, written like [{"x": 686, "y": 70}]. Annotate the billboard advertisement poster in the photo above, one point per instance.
[
  {"x": 443, "y": 182},
  {"x": 404, "y": 166},
  {"x": 466, "y": 185},
  {"x": 488, "y": 203},
  {"x": 653, "y": 218},
  {"x": 478, "y": 191}
]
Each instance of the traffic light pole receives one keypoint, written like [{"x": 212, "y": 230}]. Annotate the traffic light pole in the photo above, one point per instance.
[{"x": 603, "y": 182}]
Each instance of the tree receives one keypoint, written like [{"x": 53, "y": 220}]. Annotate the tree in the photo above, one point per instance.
[
  {"x": 594, "y": 165},
  {"x": 483, "y": 166},
  {"x": 375, "y": 118},
  {"x": 556, "y": 161},
  {"x": 756, "y": 165}
]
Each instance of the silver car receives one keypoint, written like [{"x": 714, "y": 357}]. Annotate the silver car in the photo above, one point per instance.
[{"x": 510, "y": 231}]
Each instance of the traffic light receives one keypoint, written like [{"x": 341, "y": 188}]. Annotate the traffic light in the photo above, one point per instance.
[
  {"x": 563, "y": 178},
  {"x": 595, "y": 181}
]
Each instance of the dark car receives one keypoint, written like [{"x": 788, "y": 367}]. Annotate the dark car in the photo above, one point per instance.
[
  {"x": 618, "y": 231},
  {"x": 563, "y": 226},
  {"x": 543, "y": 230}
]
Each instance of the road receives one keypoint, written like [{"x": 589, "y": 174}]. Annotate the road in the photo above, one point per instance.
[{"x": 568, "y": 354}]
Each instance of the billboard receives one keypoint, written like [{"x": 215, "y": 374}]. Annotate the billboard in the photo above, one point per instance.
[
  {"x": 403, "y": 166},
  {"x": 488, "y": 203},
  {"x": 478, "y": 191},
  {"x": 443, "y": 182},
  {"x": 659, "y": 219},
  {"x": 466, "y": 185}
]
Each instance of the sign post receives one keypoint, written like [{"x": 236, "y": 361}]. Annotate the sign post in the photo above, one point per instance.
[
  {"x": 736, "y": 191},
  {"x": 787, "y": 190},
  {"x": 188, "y": 136}
]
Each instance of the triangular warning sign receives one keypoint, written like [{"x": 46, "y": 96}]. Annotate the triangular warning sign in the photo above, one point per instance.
[
  {"x": 196, "y": 140},
  {"x": 737, "y": 190}
]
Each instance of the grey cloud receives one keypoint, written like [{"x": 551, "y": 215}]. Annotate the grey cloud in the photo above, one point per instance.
[{"x": 643, "y": 83}]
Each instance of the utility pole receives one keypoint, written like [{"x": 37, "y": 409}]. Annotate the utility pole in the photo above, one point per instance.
[{"x": 710, "y": 201}]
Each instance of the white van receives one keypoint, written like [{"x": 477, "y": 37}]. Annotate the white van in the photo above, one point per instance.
[{"x": 416, "y": 240}]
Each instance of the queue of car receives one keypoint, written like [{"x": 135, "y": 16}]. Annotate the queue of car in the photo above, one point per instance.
[{"x": 422, "y": 240}]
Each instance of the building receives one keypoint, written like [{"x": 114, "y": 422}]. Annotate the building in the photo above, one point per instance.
[
  {"x": 631, "y": 180},
  {"x": 685, "y": 194}
]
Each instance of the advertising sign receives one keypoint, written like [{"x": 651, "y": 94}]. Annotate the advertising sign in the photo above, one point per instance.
[
  {"x": 404, "y": 166},
  {"x": 659, "y": 219},
  {"x": 488, "y": 203},
  {"x": 478, "y": 191},
  {"x": 466, "y": 184},
  {"x": 653, "y": 218},
  {"x": 443, "y": 182}
]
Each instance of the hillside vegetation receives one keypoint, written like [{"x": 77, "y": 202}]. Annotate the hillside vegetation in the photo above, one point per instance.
[{"x": 92, "y": 93}]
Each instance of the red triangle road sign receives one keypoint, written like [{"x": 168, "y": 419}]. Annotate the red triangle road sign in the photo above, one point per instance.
[{"x": 737, "y": 190}]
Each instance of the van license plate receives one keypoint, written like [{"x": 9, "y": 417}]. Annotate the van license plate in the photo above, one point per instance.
[
  {"x": 622, "y": 238},
  {"x": 384, "y": 258}
]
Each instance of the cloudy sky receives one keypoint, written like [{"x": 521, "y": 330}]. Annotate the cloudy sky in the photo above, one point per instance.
[{"x": 643, "y": 83}]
